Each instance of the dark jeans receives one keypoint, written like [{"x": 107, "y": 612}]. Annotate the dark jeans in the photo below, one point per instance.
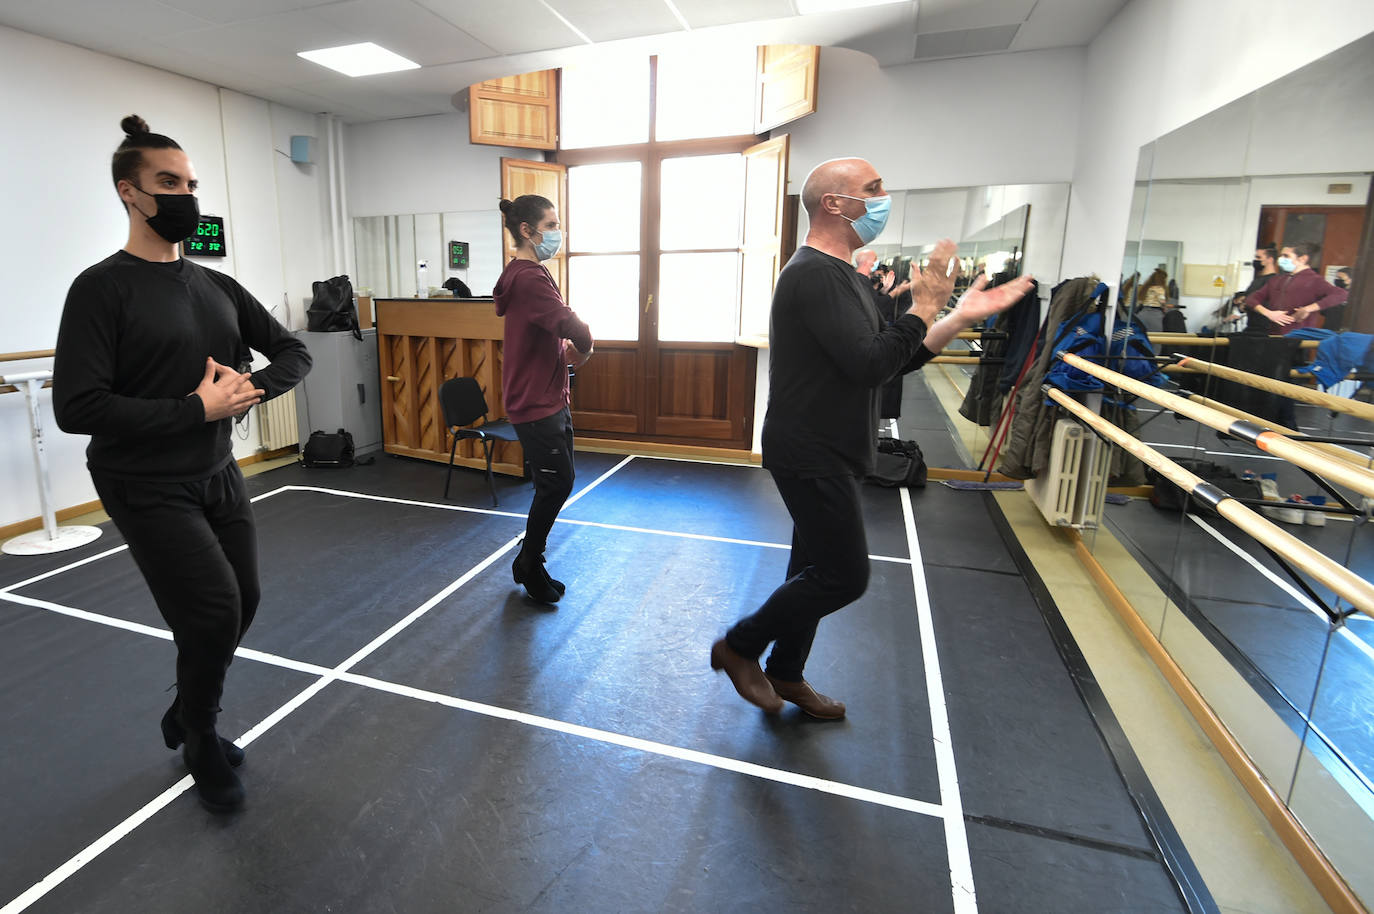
[
  {"x": 828, "y": 570},
  {"x": 196, "y": 544},
  {"x": 548, "y": 447}
]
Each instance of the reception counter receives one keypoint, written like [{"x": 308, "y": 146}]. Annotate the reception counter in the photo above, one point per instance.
[{"x": 423, "y": 342}]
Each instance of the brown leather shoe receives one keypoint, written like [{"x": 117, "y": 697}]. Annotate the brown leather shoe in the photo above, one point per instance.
[
  {"x": 748, "y": 677},
  {"x": 822, "y": 707}
]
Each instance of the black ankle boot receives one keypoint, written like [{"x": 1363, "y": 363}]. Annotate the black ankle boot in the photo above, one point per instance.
[
  {"x": 535, "y": 580},
  {"x": 174, "y": 735},
  {"x": 216, "y": 784}
]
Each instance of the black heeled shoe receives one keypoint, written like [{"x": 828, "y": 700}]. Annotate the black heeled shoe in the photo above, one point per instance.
[
  {"x": 174, "y": 735},
  {"x": 535, "y": 580},
  {"x": 217, "y": 786}
]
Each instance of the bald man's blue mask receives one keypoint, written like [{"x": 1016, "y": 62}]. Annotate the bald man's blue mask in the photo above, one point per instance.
[{"x": 871, "y": 224}]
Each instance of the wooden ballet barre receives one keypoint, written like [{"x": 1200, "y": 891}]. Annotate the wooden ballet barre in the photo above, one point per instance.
[
  {"x": 21, "y": 356},
  {"x": 1335, "y": 450},
  {"x": 1296, "y": 375},
  {"x": 1340, "y": 579},
  {"x": 1269, "y": 441},
  {"x": 961, "y": 360},
  {"x": 1283, "y": 388},
  {"x": 1190, "y": 339}
]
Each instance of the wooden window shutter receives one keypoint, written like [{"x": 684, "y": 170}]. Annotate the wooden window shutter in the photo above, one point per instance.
[
  {"x": 765, "y": 194},
  {"x": 520, "y": 111},
  {"x": 785, "y": 84},
  {"x": 549, "y": 180}
]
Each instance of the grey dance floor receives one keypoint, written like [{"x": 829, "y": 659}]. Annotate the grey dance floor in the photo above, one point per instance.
[{"x": 422, "y": 738}]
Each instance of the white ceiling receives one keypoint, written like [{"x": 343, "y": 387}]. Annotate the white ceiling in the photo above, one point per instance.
[{"x": 251, "y": 45}]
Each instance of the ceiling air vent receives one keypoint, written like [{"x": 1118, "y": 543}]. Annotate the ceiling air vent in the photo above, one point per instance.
[{"x": 965, "y": 42}]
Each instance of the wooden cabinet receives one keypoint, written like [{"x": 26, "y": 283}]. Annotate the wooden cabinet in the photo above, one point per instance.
[
  {"x": 423, "y": 342},
  {"x": 520, "y": 111}
]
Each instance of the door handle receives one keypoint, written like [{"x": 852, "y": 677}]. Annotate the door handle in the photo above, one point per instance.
[
  {"x": 392, "y": 377},
  {"x": 649, "y": 303}
]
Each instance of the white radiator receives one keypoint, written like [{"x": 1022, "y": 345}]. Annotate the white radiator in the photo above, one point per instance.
[
  {"x": 1070, "y": 491},
  {"x": 277, "y": 422}
]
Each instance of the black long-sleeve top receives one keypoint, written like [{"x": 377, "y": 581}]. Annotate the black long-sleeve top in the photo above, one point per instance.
[
  {"x": 828, "y": 351},
  {"x": 131, "y": 350}
]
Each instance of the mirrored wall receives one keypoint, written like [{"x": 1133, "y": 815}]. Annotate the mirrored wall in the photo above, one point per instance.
[
  {"x": 388, "y": 250},
  {"x": 1001, "y": 230},
  {"x": 1286, "y": 662}
]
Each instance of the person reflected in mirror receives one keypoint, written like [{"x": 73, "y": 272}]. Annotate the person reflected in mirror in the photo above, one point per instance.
[
  {"x": 1266, "y": 267},
  {"x": 543, "y": 338},
  {"x": 1295, "y": 299},
  {"x": 1334, "y": 318},
  {"x": 1154, "y": 292},
  {"x": 148, "y": 362},
  {"x": 1174, "y": 319},
  {"x": 829, "y": 354}
]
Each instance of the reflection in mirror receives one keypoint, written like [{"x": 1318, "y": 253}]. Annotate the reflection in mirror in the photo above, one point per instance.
[
  {"x": 387, "y": 250},
  {"x": 1245, "y": 228},
  {"x": 1001, "y": 231}
]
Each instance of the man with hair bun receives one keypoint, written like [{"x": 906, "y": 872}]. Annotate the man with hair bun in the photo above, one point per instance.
[
  {"x": 829, "y": 352},
  {"x": 152, "y": 362}
]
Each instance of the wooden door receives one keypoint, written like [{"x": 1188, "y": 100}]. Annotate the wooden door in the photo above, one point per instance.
[
  {"x": 785, "y": 84},
  {"x": 550, "y": 181},
  {"x": 765, "y": 196},
  {"x": 519, "y": 111}
]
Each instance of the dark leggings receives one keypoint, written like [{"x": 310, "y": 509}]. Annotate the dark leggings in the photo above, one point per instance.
[
  {"x": 196, "y": 544},
  {"x": 828, "y": 569},
  {"x": 548, "y": 447}
]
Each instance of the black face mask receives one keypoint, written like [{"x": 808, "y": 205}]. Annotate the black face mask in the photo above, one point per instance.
[
  {"x": 1256, "y": 265},
  {"x": 177, "y": 215},
  {"x": 1339, "y": 283}
]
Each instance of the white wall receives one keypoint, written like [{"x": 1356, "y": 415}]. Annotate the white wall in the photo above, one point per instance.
[
  {"x": 1007, "y": 119},
  {"x": 63, "y": 214},
  {"x": 425, "y": 165},
  {"x": 422, "y": 165},
  {"x": 1194, "y": 67}
]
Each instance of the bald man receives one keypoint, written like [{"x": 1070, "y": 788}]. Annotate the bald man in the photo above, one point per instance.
[{"x": 829, "y": 352}]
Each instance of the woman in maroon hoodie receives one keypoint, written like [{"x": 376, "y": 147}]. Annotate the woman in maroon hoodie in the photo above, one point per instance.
[{"x": 543, "y": 337}]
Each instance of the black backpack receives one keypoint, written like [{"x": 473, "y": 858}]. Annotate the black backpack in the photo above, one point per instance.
[
  {"x": 1169, "y": 497},
  {"x": 328, "y": 449},
  {"x": 332, "y": 308},
  {"x": 898, "y": 463}
]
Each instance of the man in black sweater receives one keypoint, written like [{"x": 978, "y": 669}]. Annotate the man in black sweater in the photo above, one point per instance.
[
  {"x": 148, "y": 363},
  {"x": 829, "y": 352}
]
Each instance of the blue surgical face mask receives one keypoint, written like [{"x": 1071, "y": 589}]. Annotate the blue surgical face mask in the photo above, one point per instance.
[
  {"x": 871, "y": 224},
  {"x": 1287, "y": 265},
  {"x": 552, "y": 241}
]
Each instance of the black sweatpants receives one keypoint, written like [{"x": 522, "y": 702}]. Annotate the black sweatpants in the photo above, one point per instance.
[
  {"x": 196, "y": 544},
  {"x": 828, "y": 569},
  {"x": 548, "y": 447}
]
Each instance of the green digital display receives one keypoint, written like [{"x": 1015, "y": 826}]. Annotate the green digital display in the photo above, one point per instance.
[
  {"x": 209, "y": 240},
  {"x": 458, "y": 255}
]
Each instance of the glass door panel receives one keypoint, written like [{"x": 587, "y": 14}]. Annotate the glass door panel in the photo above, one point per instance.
[{"x": 698, "y": 297}]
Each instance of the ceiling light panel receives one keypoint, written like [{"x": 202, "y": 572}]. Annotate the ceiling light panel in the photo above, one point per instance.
[
  {"x": 364, "y": 59},
  {"x": 406, "y": 28}
]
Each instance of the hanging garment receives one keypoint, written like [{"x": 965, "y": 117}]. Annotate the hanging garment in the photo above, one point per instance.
[{"x": 1032, "y": 427}]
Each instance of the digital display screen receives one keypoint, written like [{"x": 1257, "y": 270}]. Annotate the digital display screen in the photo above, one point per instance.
[
  {"x": 458, "y": 255},
  {"x": 209, "y": 240}
]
